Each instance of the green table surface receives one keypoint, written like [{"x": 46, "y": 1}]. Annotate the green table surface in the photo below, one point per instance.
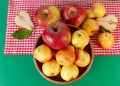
[{"x": 20, "y": 70}]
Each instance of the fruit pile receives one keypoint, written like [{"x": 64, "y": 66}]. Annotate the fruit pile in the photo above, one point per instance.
[
  {"x": 98, "y": 21},
  {"x": 93, "y": 21},
  {"x": 62, "y": 51}
]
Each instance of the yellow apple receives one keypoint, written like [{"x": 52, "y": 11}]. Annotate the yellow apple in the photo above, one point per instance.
[
  {"x": 43, "y": 53},
  {"x": 80, "y": 39},
  {"x": 51, "y": 68},
  {"x": 66, "y": 56},
  {"x": 106, "y": 40},
  {"x": 91, "y": 26},
  {"x": 96, "y": 11},
  {"x": 69, "y": 72},
  {"x": 83, "y": 58}
]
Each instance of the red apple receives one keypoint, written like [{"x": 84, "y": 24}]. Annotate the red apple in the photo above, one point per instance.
[
  {"x": 47, "y": 15},
  {"x": 57, "y": 35},
  {"x": 73, "y": 13}
]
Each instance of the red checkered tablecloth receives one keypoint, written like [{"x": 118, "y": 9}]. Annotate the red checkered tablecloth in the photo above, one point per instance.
[{"x": 25, "y": 47}]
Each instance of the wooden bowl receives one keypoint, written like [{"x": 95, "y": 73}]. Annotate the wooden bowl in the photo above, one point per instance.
[{"x": 58, "y": 79}]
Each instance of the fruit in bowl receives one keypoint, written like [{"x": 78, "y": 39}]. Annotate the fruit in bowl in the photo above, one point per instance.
[
  {"x": 65, "y": 57},
  {"x": 83, "y": 58},
  {"x": 80, "y": 39},
  {"x": 51, "y": 68},
  {"x": 43, "y": 53},
  {"x": 69, "y": 72},
  {"x": 57, "y": 35}
]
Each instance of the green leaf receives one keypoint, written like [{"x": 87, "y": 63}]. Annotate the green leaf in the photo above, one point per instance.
[
  {"x": 22, "y": 34},
  {"x": 102, "y": 30}
]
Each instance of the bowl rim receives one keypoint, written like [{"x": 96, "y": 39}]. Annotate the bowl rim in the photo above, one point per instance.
[{"x": 71, "y": 81}]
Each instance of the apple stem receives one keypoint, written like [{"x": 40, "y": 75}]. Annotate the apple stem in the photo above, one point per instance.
[
  {"x": 72, "y": 12},
  {"x": 54, "y": 29},
  {"x": 79, "y": 34},
  {"x": 45, "y": 15}
]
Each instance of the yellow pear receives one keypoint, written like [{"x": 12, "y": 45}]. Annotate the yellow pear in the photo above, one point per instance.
[
  {"x": 109, "y": 22},
  {"x": 51, "y": 68},
  {"x": 96, "y": 11},
  {"x": 43, "y": 53},
  {"x": 106, "y": 40},
  {"x": 69, "y": 72},
  {"x": 83, "y": 58},
  {"x": 91, "y": 26},
  {"x": 23, "y": 20},
  {"x": 80, "y": 39}
]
